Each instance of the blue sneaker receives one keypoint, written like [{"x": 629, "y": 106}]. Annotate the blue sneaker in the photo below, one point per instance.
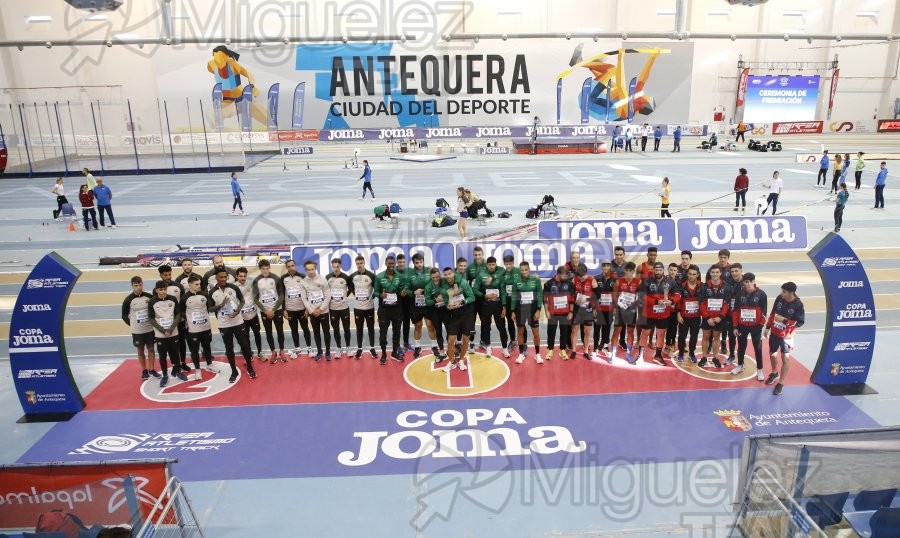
[
  {"x": 164, "y": 381},
  {"x": 680, "y": 358},
  {"x": 145, "y": 375},
  {"x": 328, "y": 357},
  {"x": 410, "y": 347},
  {"x": 181, "y": 376},
  {"x": 629, "y": 358},
  {"x": 319, "y": 357},
  {"x": 693, "y": 358}
]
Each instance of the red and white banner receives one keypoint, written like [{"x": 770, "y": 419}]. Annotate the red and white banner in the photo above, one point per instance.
[
  {"x": 301, "y": 135},
  {"x": 742, "y": 87},
  {"x": 797, "y": 127},
  {"x": 888, "y": 126},
  {"x": 834, "y": 83},
  {"x": 92, "y": 491}
]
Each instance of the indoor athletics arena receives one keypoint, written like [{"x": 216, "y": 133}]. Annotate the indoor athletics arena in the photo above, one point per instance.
[{"x": 742, "y": 154}]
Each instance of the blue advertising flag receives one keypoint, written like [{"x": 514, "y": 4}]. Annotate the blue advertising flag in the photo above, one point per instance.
[
  {"x": 37, "y": 353},
  {"x": 608, "y": 103},
  {"x": 586, "y": 100},
  {"x": 558, "y": 100},
  {"x": 846, "y": 354},
  {"x": 273, "y": 107},
  {"x": 297, "y": 113},
  {"x": 217, "y": 100},
  {"x": 632, "y": 87},
  {"x": 246, "y": 109}
]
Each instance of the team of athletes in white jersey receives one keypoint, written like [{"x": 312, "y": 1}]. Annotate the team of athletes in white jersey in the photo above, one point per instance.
[{"x": 629, "y": 312}]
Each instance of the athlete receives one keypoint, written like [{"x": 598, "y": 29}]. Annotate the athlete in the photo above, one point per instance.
[
  {"x": 733, "y": 277},
  {"x": 364, "y": 306},
  {"x": 715, "y": 306},
  {"x": 584, "y": 312},
  {"x": 437, "y": 310},
  {"x": 316, "y": 299},
  {"x": 340, "y": 290},
  {"x": 295, "y": 309},
  {"x": 488, "y": 288},
  {"x": 187, "y": 269},
  {"x": 559, "y": 298},
  {"x": 388, "y": 286},
  {"x": 459, "y": 299},
  {"x": 626, "y": 310},
  {"x": 786, "y": 317},
  {"x": 689, "y": 313},
  {"x": 748, "y": 318},
  {"x": 176, "y": 290},
  {"x": 165, "y": 317},
  {"x": 269, "y": 294},
  {"x": 646, "y": 269},
  {"x": 209, "y": 277},
  {"x": 660, "y": 296},
  {"x": 618, "y": 262},
  {"x": 136, "y": 315},
  {"x": 406, "y": 303},
  {"x": 672, "y": 326},
  {"x": 723, "y": 264},
  {"x": 472, "y": 271},
  {"x": 195, "y": 304},
  {"x": 603, "y": 297},
  {"x": 226, "y": 301},
  {"x": 526, "y": 309},
  {"x": 508, "y": 281},
  {"x": 417, "y": 278},
  {"x": 250, "y": 312}
]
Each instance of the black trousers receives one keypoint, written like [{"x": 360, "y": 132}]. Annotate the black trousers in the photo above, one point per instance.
[
  {"x": 565, "y": 334},
  {"x": 299, "y": 319},
  {"x": 643, "y": 143},
  {"x": 197, "y": 340},
  {"x": 772, "y": 200},
  {"x": 602, "y": 326},
  {"x": 755, "y": 334},
  {"x": 278, "y": 320},
  {"x": 838, "y": 217},
  {"x": 740, "y": 198},
  {"x": 821, "y": 177},
  {"x": 320, "y": 325},
  {"x": 252, "y": 325},
  {"x": 168, "y": 347},
  {"x": 367, "y": 185},
  {"x": 436, "y": 315},
  {"x": 338, "y": 318},
  {"x": 406, "y": 315},
  {"x": 491, "y": 310},
  {"x": 367, "y": 318},
  {"x": 389, "y": 317},
  {"x": 672, "y": 329},
  {"x": 237, "y": 203},
  {"x": 740, "y": 136},
  {"x": 229, "y": 335},
  {"x": 858, "y": 176},
  {"x": 834, "y": 180},
  {"x": 656, "y": 144},
  {"x": 691, "y": 326}
]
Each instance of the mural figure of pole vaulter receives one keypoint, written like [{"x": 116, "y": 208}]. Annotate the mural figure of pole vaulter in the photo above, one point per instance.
[
  {"x": 227, "y": 71},
  {"x": 610, "y": 96}
]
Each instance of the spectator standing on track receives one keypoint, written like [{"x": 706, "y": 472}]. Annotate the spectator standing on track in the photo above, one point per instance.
[
  {"x": 646, "y": 132},
  {"x": 879, "y": 186},
  {"x": 776, "y": 185},
  {"x": 840, "y": 201},
  {"x": 86, "y": 198},
  {"x": 366, "y": 178},
  {"x": 845, "y": 169},
  {"x": 89, "y": 178},
  {"x": 103, "y": 195},
  {"x": 236, "y": 191},
  {"x": 741, "y": 186},
  {"x": 657, "y": 136},
  {"x": 664, "y": 197},
  {"x": 741, "y": 129},
  {"x": 823, "y": 169},
  {"x": 60, "y": 191},
  {"x": 676, "y": 137},
  {"x": 463, "y": 202},
  {"x": 836, "y": 174},
  {"x": 860, "y": 165}
]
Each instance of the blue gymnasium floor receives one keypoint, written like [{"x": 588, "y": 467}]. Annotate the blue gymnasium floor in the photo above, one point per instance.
[{"x": 286, "y": 472}]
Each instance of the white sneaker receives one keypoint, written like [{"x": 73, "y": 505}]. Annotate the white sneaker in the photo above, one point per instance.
[
  {"x": 309, "y": 352},
  {"x": 450, "y": 366},
  {"x": 738, "y": 369},
  {"x": 462, "y": 366},
  {"x": 760, "y": 376},
  {"x": 538, "y": 359},
  {"x": 505, "y": 353},
  {"x": 292, "y": 353},
  {"x": 233, "y": 212},
  {"x": 344, "y": 352},
  {"x": 521, "y": 359},
  {"x": 594, "y": 356},
  {"x": 198, "y": 375},
  {"x": 113, "y": 226},
  {"x": 212, "y": 368},
  {"x": 244, "y": 213},
  {"x": 488, "y": 350}
]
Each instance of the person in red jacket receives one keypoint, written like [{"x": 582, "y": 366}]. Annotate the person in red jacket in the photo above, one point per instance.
[
  {"x": 660, "y": 296},
  {"x": 786, "y": 317},
  {"x": 88, "y": 213},
  {"x": 583, "y": 313},
  {"x": 689, "y": 312},
  {"x": 748, "y": 319},
  {"x": 626, "y": 311},
  {"x": 741, "y": 185},
  {"x": 714, "y": 307},
  {"x": 603, "y": 295},
  {"x": 645, "y": 271}
]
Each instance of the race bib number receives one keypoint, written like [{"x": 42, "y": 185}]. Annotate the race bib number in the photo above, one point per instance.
[
  {"x": 293, "y": 292},
  {"x": 362, "y": 295},
  {"x": 714, "y": 304},
  {"x": 560, "y": 303},
  {"x": 457, "y": 300},
  {"x": 228, "y": 308},
  {"x": 199, "y": 318},
  {"x": 166, "y": 323},
  {"x": 390, "y": 298},
  {"x": 606, "y": 299},
  {"x": 780, "y": 325},
  {"x": 509, "y": 289},
  {"x": 142, "y": 316},
  {"x": 659, "y": 309},
  {"x": 249, "y": 309},
  {"x": 626, "y": 299},
  {"x": 692, "y": 307},
  {"x": 492, "y": 294},
  {"x": 267, "y": 297},
  {"x": 748, "y": 315},
  {"x": 337, "y": 294},
  {"x": 419, "y": 300},
  {"x": 527, "y": 297},
  {"x": 582, "y": 299},
  {"x": 316, "y": 297}
]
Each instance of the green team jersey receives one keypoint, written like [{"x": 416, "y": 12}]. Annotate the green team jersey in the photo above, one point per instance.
[
  {"x": 492, "y": 291},
  {"x": 507, "y": 289},
  {"x": 432, "y": 292},
  {"x": 473, "y": 270},
  {"x": 464, "y": 295},
  {"x": 392, "y": 286},
  {"x": 415, "y": 281},
  {"x": 523, "y": 287}
]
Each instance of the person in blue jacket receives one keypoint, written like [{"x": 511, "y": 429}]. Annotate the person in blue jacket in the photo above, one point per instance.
[
  {"x": 657, "y": 136},
  {"x": 103, "y": 197},
  {"x": 880, "y": 181},
  {"x": 236, "y": 191},
  {"x": 676, "y": 136}
]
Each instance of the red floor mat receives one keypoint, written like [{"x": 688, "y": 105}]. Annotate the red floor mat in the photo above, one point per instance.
[{"x": 348, "y": 380}]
